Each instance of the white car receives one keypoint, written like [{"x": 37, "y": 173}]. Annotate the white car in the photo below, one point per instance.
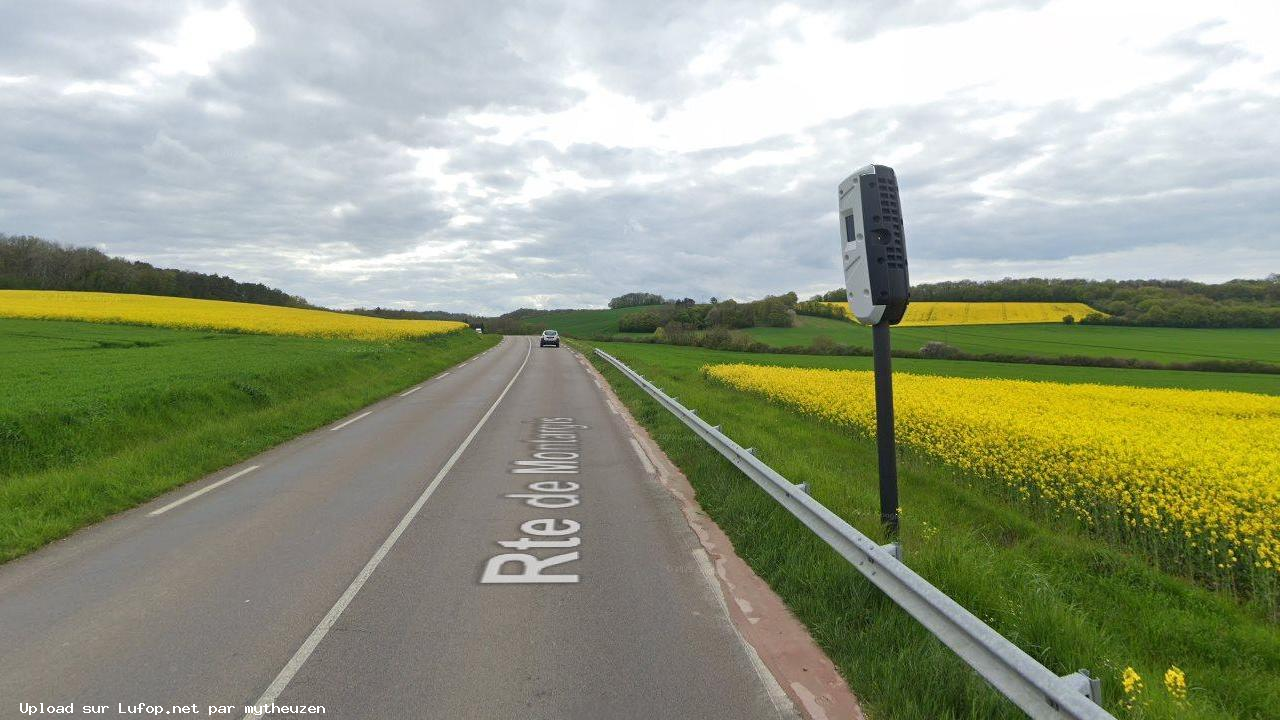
[{"x": 549, "y": 337}]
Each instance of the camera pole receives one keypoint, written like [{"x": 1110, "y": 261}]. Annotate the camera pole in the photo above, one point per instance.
[
  {"x": 886, "y": 446},
  {"x": 874, "y": 250}
]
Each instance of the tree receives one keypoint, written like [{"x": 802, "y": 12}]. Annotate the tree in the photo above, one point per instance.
[
  {"x": 636, "y": 299},
  {"x": 645, "y": 321},
  {"x": 730, "y": 314}
]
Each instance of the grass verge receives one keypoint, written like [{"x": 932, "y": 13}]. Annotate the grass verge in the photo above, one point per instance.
[
  {"x": 99, "y": 418},
  {"x": 1067, "y": 599}
]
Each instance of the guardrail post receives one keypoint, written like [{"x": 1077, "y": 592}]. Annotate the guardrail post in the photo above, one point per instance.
[{"x": 1088, "y": 685}]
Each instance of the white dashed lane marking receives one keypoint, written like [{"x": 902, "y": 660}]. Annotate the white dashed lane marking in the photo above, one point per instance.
[
  {"x": 362, "y": 415},
  {"x": 203, "y": 490}
]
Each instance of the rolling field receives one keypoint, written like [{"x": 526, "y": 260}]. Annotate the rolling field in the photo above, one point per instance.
[
  {"x": 98, "y": 418},
  {"x": 1068, "y": 596},
  {"x": 920, "y": 314},
  {"x": 1048, "y": 340},
  {"x": 1190, "y": 380},
  {"x": 1051, "y": 339},
  {"x": 584, "y": 323},
  {"x": 189, "y": 313}
]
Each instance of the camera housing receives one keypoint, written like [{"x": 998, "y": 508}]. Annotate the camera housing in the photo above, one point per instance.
[{"x": 873, "y": 246}]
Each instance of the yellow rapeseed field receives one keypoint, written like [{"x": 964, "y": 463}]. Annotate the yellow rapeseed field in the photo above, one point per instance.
[
  {"x": 922, "y": 314},
  {"x": 1192, "y": 476},
  {"x": 210, "y": 315}
]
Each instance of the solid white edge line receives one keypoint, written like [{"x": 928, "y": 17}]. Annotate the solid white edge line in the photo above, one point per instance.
[
  {"x": 364, "y": 414},
  {"x": 644, "y": 459},
  {"x": 203, "y": 490},
  {"x": 782, "y": 705},
  {"x": 410, "y": 391},
  {"x": 309, "y": 645}
]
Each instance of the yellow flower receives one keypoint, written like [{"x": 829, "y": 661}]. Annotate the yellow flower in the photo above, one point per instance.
[
  {"x": 1175, "y": 681},
  {"x": 1193, "y": 475},
  {"x": 1132, "y": 681},
  {"x": 211, "y": 315},
  {"x": 984, "y": 313}
]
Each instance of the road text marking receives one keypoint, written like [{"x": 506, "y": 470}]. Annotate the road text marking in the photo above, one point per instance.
[
  {"x": 556, "y": 451},
  {"x": 364, "y": 414},
  {"x": 331, "y": 618},
  {"x": 203, "y": 490}
]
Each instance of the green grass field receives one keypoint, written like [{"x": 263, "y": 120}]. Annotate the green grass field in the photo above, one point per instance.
[
  {"x": 1190, "y": 380},
  {"x": 1144, "y": 343},
  {"x": 1068, "y": 599},
  {"x": 98, "y": 418}
]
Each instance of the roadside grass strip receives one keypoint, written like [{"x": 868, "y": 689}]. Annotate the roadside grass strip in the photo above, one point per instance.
[{"x": 1190, "y": 478}]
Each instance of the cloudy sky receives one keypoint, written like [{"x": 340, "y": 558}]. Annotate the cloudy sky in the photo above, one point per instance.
[{"x": 485, "y": 156}]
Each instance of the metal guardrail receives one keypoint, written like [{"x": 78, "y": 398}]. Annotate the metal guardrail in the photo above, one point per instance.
[{"x": 1035, "y": 689}]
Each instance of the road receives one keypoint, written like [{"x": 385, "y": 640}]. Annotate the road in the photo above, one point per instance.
[{"x": 359, "y": 568}]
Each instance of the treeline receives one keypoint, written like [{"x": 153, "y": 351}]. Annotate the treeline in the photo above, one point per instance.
[
  {"x": 1165, "y": 303},
  {"x": 685, "y": 316},
  {"x": 30, "y": 263}
]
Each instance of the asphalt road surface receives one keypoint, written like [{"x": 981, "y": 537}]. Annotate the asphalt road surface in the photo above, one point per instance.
[{"x": 487, "y": 545}]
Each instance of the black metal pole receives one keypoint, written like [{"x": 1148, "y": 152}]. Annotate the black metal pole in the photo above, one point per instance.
[{"x": 885, "y": 442}]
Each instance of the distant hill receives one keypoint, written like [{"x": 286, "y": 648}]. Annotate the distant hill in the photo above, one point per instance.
[
  {"x": 1163, "y": 303},
  {"x": 579, "y": 323},
  {"x": 395, "y": 314},
  {"x": 31, "y": 263}
]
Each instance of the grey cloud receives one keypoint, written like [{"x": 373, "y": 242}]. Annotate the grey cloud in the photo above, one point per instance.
[
  {"x": 290, "y": 163},
  {"x": 80, "y": 40}
]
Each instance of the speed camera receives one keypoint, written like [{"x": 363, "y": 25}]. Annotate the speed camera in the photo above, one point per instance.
[{"x": 873, "y": 245}]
